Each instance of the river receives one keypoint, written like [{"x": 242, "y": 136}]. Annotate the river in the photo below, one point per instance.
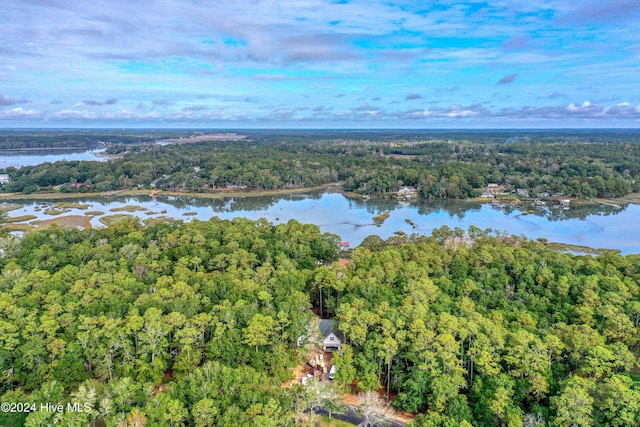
[
  {"x": 352, "y": 219},
  {"x": 20, "y": 158}
]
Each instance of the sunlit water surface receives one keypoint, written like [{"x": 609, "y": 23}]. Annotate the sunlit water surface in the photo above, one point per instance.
[{"x": 352, "y": 220}]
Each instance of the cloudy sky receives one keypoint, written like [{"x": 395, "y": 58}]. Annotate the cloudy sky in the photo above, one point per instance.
[{"x": 320, "y": 64}]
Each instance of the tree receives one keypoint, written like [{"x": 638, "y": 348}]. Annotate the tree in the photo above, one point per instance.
[
  {"x": 574, "y": 405},
  {"x": 323, "y": 395},
  {"x": 618, "y": 401},
  {"x": 533, "y": 420},
  {"x": 154, "y": 343},
  {"x": 413, "y": 396},
  {"x": 136, "y": 418},
  {"x": 175, "y": 413},
  {"x": 259, "y": 330},
  {"x": 345, "y": 370},
  {"x": 204, "y": 413},
  {"x": 373, "y": 409}
]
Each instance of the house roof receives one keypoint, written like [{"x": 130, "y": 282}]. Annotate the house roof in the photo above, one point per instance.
[{"x": 326, "y": 327}]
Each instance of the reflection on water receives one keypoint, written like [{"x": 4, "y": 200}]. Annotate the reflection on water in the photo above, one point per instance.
[
  {"x": 352, "y": 219},
  {"x": 232, "y": 204}
]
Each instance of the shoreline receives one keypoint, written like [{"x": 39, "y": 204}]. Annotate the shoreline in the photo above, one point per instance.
[
  {"x": 15, "y": 201},
  {"x": 79, "y": 149},
  {"x": 218, "y": 194}
]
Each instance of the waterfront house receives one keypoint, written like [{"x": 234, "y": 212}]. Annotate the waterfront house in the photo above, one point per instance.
[{"x": 407, "y": 193}]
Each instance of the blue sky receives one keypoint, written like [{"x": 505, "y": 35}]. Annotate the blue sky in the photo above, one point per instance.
[{"x": 320, "y": 64}]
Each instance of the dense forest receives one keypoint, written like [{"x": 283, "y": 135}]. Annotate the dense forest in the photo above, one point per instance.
[
  {"x": 492, "y": 330},
  {"x": 196, "y": 324},
  {"x": 439, "y": 165},
  {"x": 190, "y": 324}
]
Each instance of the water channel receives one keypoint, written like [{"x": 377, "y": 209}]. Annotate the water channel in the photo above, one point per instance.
[
  {"x": 20, "y": 158},
  {"x": 352, "y": 219}
]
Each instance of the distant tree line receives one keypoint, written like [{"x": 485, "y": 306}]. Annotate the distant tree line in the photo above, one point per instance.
[
  {"x": 81, "y": 139},
  {"x": 437, "y": 168}
]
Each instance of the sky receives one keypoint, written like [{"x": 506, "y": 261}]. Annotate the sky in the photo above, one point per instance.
[{"x": 320, "y": 64}]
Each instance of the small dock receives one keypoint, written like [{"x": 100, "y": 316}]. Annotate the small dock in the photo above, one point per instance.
[{"x": 613, "y": 205}]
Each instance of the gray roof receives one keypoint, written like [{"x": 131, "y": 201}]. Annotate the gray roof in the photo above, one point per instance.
[{"x": 326, "y": 327}]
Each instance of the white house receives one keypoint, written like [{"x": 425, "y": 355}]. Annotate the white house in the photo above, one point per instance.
[
  {"x": 407, "y": 192},
  {"x": 330, "y": 337}
]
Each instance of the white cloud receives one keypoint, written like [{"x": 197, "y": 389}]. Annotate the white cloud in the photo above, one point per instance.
[
  {"x": 162, "y": 54},
  {"x": 75, "y": 115},
  {"x": 18, "y": 112}
]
